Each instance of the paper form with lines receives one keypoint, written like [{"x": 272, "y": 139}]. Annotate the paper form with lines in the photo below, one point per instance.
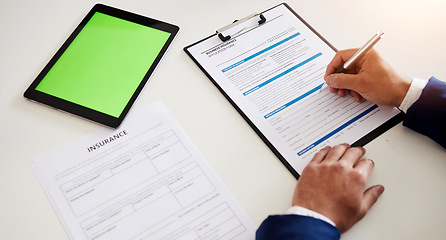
[
  {"x": 272, "y": 74},
  {"x": 145, "y": 180}
]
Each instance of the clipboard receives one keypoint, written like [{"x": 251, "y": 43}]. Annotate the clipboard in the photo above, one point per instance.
[{"x": 258, "y": 61}]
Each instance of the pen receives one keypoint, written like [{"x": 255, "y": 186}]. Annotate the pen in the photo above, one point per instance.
[{"x": 364, "y": 49}]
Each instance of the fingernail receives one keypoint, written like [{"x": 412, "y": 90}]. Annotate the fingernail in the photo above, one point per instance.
[
  {"x": 329, "y": 79},
  {"x": 381, "y": 190}
]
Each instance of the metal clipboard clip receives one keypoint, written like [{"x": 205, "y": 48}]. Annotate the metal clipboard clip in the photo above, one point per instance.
[{"x": 237, "y": 22}]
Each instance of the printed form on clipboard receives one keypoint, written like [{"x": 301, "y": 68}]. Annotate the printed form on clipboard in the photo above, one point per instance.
[{"x": 270, "y": 66}]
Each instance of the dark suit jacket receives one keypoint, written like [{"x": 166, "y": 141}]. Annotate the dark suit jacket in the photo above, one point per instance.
[
  {"x": 428, "y": 114},
  {"x": 291, "y": 227}
]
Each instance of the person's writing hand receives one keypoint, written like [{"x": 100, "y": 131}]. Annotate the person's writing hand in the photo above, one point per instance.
[
  {"x": 370, "y": 77},
  {"x": 333, "y": 184}
]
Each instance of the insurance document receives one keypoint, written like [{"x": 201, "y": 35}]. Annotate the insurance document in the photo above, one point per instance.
[
  {"x": 272, "y": 73},
  {"x": 145, "y": 180}
]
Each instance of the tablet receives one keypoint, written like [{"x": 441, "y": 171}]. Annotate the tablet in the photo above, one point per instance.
[{"x": 104, "y": 64}]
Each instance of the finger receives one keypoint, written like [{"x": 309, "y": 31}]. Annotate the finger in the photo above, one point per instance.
[
  {"x": 356, "y": 96},
  {"x": 342, "y": 92},
  {"x": 336, "y": 152},
  {"x": 371, "y": 195},
  {"x": 352, "y": 155},
  {"x": 340, "y": 58},
  {"x": 344, "y": 81},
  {"x": 320, "y": 156},
  {"x": 365, "y": 167}
]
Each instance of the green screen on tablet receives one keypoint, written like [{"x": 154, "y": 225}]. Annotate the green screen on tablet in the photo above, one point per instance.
[{"x": 104, "y": 63}]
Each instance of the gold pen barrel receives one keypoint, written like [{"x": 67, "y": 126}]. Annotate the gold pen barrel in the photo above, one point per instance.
[{"x": 364, "y": 49}]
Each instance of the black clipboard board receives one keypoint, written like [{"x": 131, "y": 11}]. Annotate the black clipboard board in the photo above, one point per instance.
[{"x": 259, "y": 20}]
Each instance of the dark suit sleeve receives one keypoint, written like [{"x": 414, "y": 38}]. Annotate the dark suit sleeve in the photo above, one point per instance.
[
  {"x": 428, "y": 114},
  {"x": 291, "y": 227}
]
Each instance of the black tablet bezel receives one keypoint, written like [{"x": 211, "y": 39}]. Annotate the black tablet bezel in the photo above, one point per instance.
[
  {"x": 361, "y": 142},
  {"x": 84, "y": 112}
]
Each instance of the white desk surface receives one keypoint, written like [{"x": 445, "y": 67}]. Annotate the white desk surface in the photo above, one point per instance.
[{"x": 411, "y": 167}]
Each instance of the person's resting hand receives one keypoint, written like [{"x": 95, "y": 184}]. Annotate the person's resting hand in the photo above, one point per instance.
[
  {"x": 370, "y": 77},
  {"x": 333, "y": 184}
]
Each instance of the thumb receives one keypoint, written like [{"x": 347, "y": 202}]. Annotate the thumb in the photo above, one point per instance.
[
  {"x": 343, "y": 81},
  {"x": 371, "y": 195}
]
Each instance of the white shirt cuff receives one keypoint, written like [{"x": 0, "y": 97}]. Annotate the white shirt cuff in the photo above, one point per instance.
[
  {"x": 415, "y": 89},
  {"x": 307, "y": 212}
]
